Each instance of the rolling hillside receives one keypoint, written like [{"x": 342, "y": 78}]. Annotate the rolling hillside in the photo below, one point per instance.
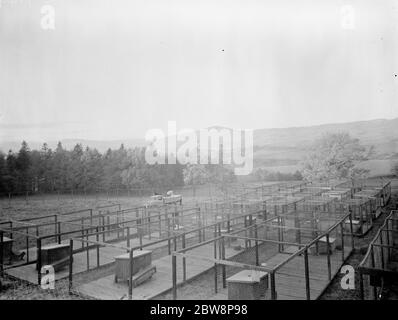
[{"x": 280, "y": 149}]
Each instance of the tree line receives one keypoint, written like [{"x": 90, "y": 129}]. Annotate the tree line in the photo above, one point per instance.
[
  {"x": 333, "y": 156},
  {"x": 88, "y": 170}
]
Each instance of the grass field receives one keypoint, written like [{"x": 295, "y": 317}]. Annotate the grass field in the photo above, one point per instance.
[
  {"x": 379, "y": 167},
  {"x": 376, "y": 167},
  {"x": 39, "y": 205}
]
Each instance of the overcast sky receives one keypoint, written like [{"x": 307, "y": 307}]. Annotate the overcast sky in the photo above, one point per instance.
[{"x": 112, "y": 69}]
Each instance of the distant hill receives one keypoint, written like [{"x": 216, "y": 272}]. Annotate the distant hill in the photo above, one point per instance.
[
  {"x": 282, "y": 149},
  {"x": 278, "y": 149},
  {"x": 101, "y": 146},
  {"x": 383, "y": 134}
]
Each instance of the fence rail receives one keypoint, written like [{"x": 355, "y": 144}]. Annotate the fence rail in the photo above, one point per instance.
[{"x": 375, "y": 269}]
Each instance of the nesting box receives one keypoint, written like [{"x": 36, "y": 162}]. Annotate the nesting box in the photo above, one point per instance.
[
  {"x": 55, "y": 254},
  {"x": 248, "y": 285},
  {"x": 7, "y": 248},
  {"x": 323, "y": 247},
  {"x": 141, "y": 260},
  {"x": 356, "y": 226}
]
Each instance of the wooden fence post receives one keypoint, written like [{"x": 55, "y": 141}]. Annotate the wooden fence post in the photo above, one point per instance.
[
  {"x": 98, "y": 251},
  {"x": 38, "y": 263},
  {"x": 128, "y": 236},
  {"x": 224, "y": 270},
  {"x": 328, "y": 257},
  {"x": 279, "y": 235},
  {"x": 388, "y": 242},
  {"x": 149, "y": 224},
  {"x": 307, "y": 275},
  {"x": 56, "y": 227},
  {"x": 160, "y": 224},
  {"x": 273, "y": 291},
  {"x": 251, "y": 229},
  {"x": 245, "y": 226},
  {"x": 373, "y": 265},
  {"x": 27, "y": 244},
  {"x": 184, "y": 265},
  {"x": 174, "y": 276},
  {"x": 381, "y": 249},
  {"x": 131, "y": 275},
  {"x": 87, "y": 250},
  {"x": 256, "y": 244},
  {"x": 199, "y": 224},
  {"x": 108, "y": 222},
  {"x": 352, "y": 232},
  {"x": 82, "y": 222},
  {"x": 215, "y": 264},
  {"x": 264, "y": 211},
  {"x": 103, "y": 228},
  {"x": 1, "y": 253},
  {"x": 342, "y": 241},
  {"x": 59, "y": 233},
  {"x": 361, "y": 288},
  {"x": 70, "y": 265}
]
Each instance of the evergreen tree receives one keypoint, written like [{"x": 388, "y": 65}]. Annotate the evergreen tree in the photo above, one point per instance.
[
  {"x": 11, "y": 177},
  {"x": 61, "y": 170},
  {"x": 3, "y": 173},
  {"x": 23, "y": 163}
]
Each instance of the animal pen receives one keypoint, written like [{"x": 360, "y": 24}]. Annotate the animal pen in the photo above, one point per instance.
[
  {"x": 34, "y": 235},
  {"x": 379, "y": 266},
  {"x": 279, "y": 241},
  {"x": 292, "y": 256},
  {"x": 362, "y": 214},
  {"x": 384, "y": 188},
  {"x": 93, "y": 241},
  {"x": 160, "y": 256}
]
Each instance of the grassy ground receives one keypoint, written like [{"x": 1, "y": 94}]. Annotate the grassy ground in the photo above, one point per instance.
[
  {"x": 39, "y": 205},
  {"x": 376, "y": 167},
  {"x": 19, "y": 290}
]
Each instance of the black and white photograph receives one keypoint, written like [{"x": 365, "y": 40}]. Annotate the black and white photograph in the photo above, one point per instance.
[{"x": 213, "y": 151}]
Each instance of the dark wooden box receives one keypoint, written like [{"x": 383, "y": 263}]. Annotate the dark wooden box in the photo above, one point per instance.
[
  {"x": 248, "y": 285},
  {"x": 141, "y": 260},
  {"x": 52, "y": 254}
]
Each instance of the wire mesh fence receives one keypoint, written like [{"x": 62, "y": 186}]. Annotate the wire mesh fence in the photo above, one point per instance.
[
  {"x": 267, "y": 230},
  {"x": 376, "y": 269}
]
